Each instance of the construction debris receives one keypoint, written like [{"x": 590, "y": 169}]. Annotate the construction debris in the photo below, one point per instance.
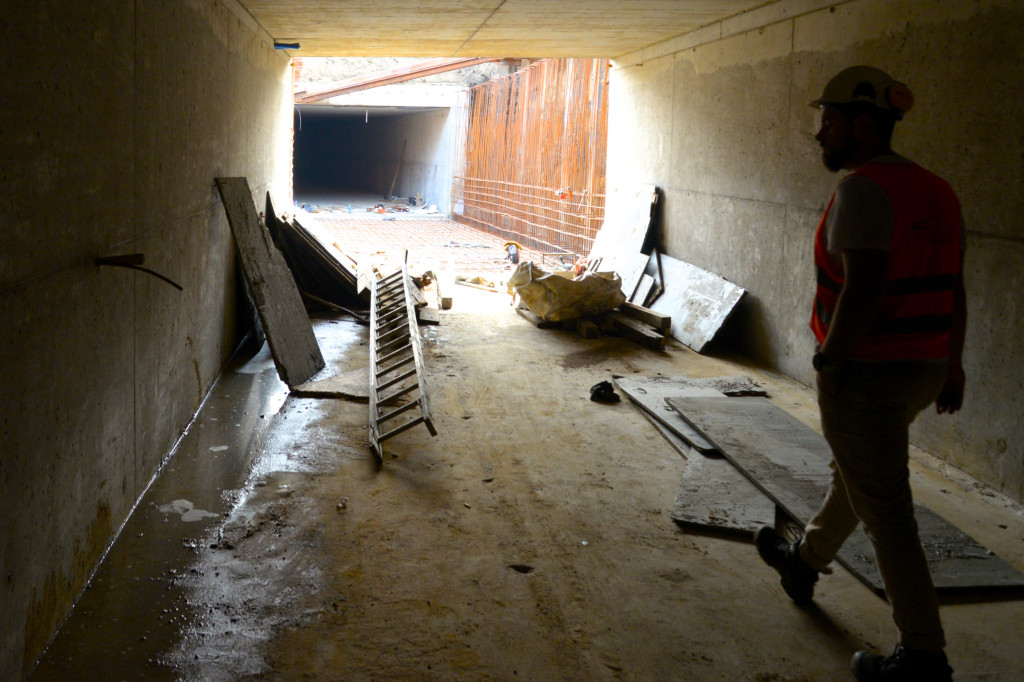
[
  {"x": 789, "y": 462},
  {"x": 635, "y": 330},
  {"x": 396, "y": 361},
  {"x": 322, "y": 273},
  {"x": 699, "y": 302},
  {"x": 558, "y": 296},
  {"x": 274, "y": 294}
]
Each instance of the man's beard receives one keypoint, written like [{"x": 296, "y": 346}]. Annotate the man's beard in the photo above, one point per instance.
[{"x": 835, "y": 159}]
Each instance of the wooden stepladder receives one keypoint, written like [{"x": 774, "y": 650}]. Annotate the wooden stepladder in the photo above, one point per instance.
[{"x": 398, "y": 394}]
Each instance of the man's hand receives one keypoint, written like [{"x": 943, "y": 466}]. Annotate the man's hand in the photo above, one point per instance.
[{"x": 951, "y": 397}]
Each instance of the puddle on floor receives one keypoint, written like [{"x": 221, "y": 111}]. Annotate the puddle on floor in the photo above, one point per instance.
[{"x": 138, "y": 615}]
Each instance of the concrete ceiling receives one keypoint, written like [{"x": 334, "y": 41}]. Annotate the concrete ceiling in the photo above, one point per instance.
[{"x": 484, "y": 28}]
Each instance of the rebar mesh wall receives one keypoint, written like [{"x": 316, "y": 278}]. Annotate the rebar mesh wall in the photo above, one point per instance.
[{"x": 530, "y": 137}]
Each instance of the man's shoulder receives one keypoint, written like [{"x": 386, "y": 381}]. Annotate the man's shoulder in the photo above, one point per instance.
[
  {"x": 893, "y": 167},
  {"x": 859, "y": 187},
  {"x": 891, "y": 159}
]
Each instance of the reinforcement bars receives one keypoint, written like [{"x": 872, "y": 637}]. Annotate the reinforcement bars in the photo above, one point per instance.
[{"x": 535, "y": 156}]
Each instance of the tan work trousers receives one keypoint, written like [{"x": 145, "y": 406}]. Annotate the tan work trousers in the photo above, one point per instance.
[{"x": 866, "y": 424}]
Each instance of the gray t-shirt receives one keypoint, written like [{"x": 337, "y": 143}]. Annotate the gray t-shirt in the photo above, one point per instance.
[{"x": 862, "y": 216}]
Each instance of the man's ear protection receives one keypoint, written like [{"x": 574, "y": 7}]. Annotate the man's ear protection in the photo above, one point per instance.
[{"x": 900, "y": 98}]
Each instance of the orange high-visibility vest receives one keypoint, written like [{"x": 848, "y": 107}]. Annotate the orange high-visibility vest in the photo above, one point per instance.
[{"x": 915, "y": 318}]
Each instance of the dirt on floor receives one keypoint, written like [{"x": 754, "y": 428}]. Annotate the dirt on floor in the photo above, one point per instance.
[{"x": 529, "y": 540}]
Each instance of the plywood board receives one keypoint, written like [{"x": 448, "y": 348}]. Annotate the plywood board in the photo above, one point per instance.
[
  {"x": 277, "y": 299},
  {"x": 649, "y": 394},
  {"x": 630, "y": 267},
  {"x": 618, "y": 244},
  {"x": 643, "y": 289},
  {"x": 698, "y": 301},
  {"x": 626, "y": 222},
  {"x": 353, "y": 386},
  {"x": 789, "y": 462},
  {"x": 713, "y": 495}
]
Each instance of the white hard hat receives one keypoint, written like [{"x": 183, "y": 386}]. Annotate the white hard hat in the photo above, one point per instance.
[{"x": 868, "y": 85}]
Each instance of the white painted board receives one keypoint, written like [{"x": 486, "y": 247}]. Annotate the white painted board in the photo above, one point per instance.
[
  {"x": 699, "y": 302},
  {"x": 627, "y": 219}
]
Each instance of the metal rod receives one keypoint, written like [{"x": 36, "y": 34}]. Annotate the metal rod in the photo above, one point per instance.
[{"x": 529, "y": 135}]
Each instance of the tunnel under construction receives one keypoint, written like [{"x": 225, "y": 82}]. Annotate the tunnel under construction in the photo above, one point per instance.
[{"x": 520, "y": 156}]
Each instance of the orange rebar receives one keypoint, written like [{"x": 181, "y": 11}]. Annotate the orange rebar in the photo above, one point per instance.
[{"x": 535, "y": 149}]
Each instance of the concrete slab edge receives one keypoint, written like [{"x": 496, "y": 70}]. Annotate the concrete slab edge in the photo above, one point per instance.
[{"x": 767, "y": 15}]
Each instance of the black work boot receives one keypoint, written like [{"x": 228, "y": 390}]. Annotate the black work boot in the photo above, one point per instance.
[
  {"x": 797, "y": 577},
  {"x": 905, "y": 665}
]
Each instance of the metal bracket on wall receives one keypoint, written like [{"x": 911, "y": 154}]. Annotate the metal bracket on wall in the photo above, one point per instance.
[
  {"x": 134, "y": 261},
  {"x": 396, "y": 361}
]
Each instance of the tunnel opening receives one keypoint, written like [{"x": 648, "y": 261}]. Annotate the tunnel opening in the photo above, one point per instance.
[{"x": 348, "y": 158}]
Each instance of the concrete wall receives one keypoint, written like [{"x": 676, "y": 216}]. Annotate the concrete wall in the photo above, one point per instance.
[
  {"x": 117, "y": 117},
  {"x": 426, "y": 164},
  {"x": 719, "y": 120}
]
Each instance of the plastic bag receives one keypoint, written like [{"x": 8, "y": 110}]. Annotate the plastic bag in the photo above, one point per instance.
[{"x": 555, "y": 297}]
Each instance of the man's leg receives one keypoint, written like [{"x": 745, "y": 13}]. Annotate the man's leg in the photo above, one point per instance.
[
  {"x": 825, "y": 534},
  {"x": 866, "y": 426}
]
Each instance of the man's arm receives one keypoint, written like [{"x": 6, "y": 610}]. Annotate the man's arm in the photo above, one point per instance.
[
  {"x": 951, "y": 398},
  {"x": 866, "y": 272}
]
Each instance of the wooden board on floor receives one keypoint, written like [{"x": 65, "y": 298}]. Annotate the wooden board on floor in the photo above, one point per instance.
[
  {"x": 353, "y": 386},
  {"x": 699, "y": 302},
  {"x": 789, "y": 462},
  {"x": 428, "y": 315},
  {"x": 535, "y": 319},
  {"x": 277, "y": 299},
  {"x": 650, "y": 393},
  {"x": 660, "y": 322},
  {"x": 713, "y": 495},
  {"x": 635, "y": 330}
]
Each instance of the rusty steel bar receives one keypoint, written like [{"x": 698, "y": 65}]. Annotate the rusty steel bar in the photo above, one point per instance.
[
  {"x": 535, "y": 149},
  {"x": 397, "y": 75}
]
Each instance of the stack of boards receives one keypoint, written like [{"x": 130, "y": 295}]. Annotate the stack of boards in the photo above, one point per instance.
[{"x": 749, "y": 462}]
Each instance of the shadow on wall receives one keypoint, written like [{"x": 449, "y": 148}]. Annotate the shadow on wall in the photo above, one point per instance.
[{"x": 333, "y": 153}]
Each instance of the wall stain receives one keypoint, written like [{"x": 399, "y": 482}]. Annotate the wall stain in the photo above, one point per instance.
[{"x": 59, "y": 592}]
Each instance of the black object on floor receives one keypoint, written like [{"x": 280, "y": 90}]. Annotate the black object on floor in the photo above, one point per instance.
[{"x": 604, "y": 393}]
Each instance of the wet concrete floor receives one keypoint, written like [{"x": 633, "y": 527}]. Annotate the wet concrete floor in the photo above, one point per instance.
[{"x": 529, "y": 540}]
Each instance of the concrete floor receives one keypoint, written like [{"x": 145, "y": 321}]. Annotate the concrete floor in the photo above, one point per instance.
[
  {"x": 338, "y": 204},
  {"x": 530, "y": 539}
]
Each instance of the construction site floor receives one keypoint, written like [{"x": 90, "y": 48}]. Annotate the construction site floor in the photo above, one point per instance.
[
  {"x": 433, "y": 243},
  {"x": 529, "y": 540}
]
